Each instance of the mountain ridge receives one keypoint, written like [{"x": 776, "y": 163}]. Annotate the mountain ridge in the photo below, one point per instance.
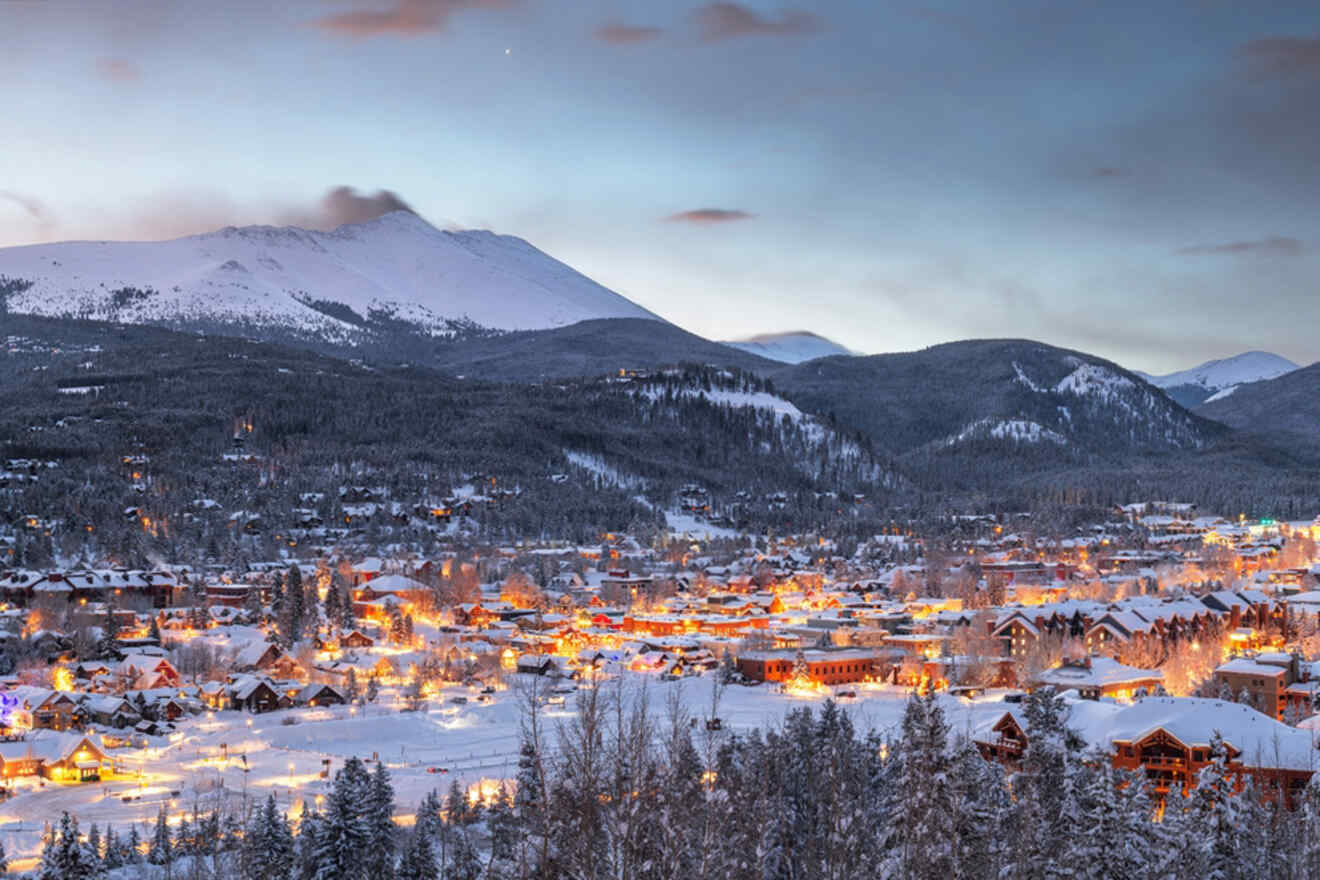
[
  {"x": 790, "y": 347},
  {"x": 1220, "y": 377}
]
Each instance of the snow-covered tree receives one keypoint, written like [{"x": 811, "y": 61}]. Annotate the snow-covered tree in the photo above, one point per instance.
[
  {"x": 378, "y": 814},
  {"x": 65, "y": 856},
  {"x": 418, "y": 861},
  {"x": 268, "y": 846},
  {"x": 161, "y": 849},
  {"x": 343, "y": 834}
]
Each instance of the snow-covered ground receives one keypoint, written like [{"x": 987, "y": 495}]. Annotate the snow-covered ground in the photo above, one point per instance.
[{"x": 231, "y": 756}]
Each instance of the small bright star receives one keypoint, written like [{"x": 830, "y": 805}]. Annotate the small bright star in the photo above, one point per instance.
[{"x": 507, "y": 51}]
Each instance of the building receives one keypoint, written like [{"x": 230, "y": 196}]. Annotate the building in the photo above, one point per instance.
[
  {"x": 1096, "y": 677},
  {"x": 1272, "y": 680},
  {"x": 824, "y": 666},
  {"x": 1168, "y": 738}
]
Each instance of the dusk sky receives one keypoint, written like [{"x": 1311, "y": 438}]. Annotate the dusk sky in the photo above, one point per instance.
[{"x": 1140, "y": 180}]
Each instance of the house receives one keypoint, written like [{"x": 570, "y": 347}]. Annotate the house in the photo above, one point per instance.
[
  {"x": 1168, "y": 738},
  {"x": 539, "y": 664},
  {"x": 269, "y": 658},
  {"x": 824, "y": 666},
  {"x": 356, "y": 640},
  {"x": 1004, "y": 739},
  {"x": 18, "y": 759},
  {"x": 254, "y": 695},
  {"x": 70, "y": 757},
  {"x": 146, "y": 671},
  {"x": 59, "y": 711},
  {"x": 319, "y": 695},
  {"x": 1096, "y": 677},
  {"x": 111, "y": 711},
  {"x": 1270, "y": 679}
]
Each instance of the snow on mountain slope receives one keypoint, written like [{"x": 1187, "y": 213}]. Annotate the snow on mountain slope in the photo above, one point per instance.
[
  {"x": 1251, "y": 366},
  {"x": 396, "y": 266},
  {"x": 789, "y": 348},
  {"x": 1019, "y": 430}
]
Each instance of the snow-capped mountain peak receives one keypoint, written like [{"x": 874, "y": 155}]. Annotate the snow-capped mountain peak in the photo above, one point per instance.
[
  {"x": 1214, "y": 380},
  {"x": 1216, "y": 375},
  {"x": 789, "y": 348},
  {"x": 395, "y": 266}
]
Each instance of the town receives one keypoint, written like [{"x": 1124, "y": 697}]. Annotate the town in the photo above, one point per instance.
[{"x": 131, "y": 695}]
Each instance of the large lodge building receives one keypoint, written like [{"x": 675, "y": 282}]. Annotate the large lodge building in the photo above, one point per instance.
[
  {"x": 1169, "y": 739},
  {"x": 823, "y": 666}
]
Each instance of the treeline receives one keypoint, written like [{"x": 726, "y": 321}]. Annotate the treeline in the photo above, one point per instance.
[
  {"x": 624, "y": 790},
  {"x": 815, "y": 798}
]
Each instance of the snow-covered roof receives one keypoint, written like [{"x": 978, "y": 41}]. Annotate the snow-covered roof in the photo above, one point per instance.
[
  {"x": 1261, "y": 741},
  {"x": 1102, "y": 672}
]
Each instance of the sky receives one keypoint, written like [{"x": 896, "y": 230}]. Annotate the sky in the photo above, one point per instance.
[{"x": 1139, "y": 180}]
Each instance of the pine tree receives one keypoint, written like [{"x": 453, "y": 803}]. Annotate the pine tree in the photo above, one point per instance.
[
  {"x": 347, "y": 615},
  {"x": 307, "y": 856},
  {"x": 379, "y": 817},
  {"x": 94, "y": 841},
  {"x": 333, "y": 600},
  {"x": 418, "y": 862},
  {"x": 981, "y": 811},
  {"x": 396, "y": 626},
  {"x": 184, "y": 840},
  {"x": 1214, "y": 809},
  {"x": 66, "y": 857},
  {"x": 352, "y": 693},
  {"x": 114, "y": 850},
  {"x": 464, "y": 864},
  {"x": 801, "y": 671},
  {"x": 154, "y": 631},
  {"x": 133, "y": 849},
  {"x": 161, "y": 849},
  {"x": 268, "y": 848},
  {"x": 278, "y": 597},
  {"x": 252, "y": 605},
  {"x": 926, "y": 790},
  {"x": 111, "y": 625},
  {"x": 343, "y": 835},
  {"x": 373, "y": 689}
]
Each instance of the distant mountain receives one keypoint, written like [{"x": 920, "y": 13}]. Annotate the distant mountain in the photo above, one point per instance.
[
  {"x": 1285, "y": 409},
  {"x": 789, "y": 348},
  {"x": 1219, "y": 378},
  {"x": 1001, "y": 407},
  {"x": 394, "y": 272}
]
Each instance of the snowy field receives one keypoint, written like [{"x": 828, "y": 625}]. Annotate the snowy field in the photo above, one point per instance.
[{"x": 232, "y": 757}]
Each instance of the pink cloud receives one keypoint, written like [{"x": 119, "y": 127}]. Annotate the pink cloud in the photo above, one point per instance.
[
  {"x": 726, "y": 21},
  {"x": 621, "y": 34},
  {"x": 406, "y": 18},
  {"x": 120, "y": 70},
  {"x": 709, "y": 215}
]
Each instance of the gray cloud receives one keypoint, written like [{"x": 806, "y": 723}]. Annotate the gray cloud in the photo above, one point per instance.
[
  {"x": 343, "y": 205},
  {"x": 31, "y": 206},
  {"x": 1277, "y": 245},
  {"x": 726, "y": 21},
  {"x": 708, "y": 215},
  {"x": 1283, "y": 56}
]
